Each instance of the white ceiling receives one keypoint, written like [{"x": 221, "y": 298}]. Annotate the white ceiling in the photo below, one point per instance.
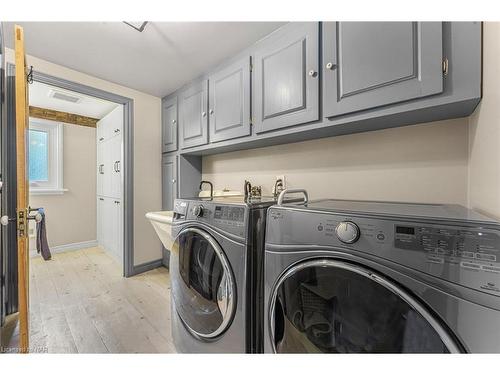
[
  {"x": 88, "y": 106},
  {"x": 157, "y": 61}
]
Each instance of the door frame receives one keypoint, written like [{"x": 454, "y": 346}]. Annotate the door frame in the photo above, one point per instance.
[{"x": 128, "y": 155}]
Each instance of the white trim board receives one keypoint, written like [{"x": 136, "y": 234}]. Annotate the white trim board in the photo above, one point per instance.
[{"x": 67, "y": 247}]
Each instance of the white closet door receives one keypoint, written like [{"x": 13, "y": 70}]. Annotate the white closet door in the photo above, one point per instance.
[
  {"x": 100, "y": 131},
  {"x": 115, "y": 149},
  {"x": 117, "y": 230},
  {"x": 108, "y": 225},
  {"x": 100, "y": 172},
  {"x": 107, "y": 169},
  {"x": 116, "y": 122},
  {"x": 100, "y": 221}
]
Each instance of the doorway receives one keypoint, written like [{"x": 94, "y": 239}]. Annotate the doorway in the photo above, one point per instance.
[
  {"x": 126, "y": 162},
  {"x": 75, "y": 164}
]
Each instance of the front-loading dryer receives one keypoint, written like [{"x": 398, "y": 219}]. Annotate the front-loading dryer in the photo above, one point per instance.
[{"x": 380, "y": 277}]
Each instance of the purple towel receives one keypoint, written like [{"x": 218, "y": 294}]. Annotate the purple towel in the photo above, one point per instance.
[{"x": 42, "y": 246}]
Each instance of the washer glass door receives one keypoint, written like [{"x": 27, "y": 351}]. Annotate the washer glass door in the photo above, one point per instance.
[
  {"x": 203, "y": 286},
  {"x": 331, "y": 306}
]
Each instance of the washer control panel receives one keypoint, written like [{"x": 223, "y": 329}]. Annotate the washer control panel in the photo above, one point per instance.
[
  {"x": 466, "y": 253},
  {"x": 229, "y": 218}
]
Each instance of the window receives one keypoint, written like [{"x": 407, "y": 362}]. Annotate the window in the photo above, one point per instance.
[{"x": 45, "y": 157}]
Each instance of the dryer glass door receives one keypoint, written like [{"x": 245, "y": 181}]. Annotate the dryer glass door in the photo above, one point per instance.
[
  {"x": 203, "y": 286},
  {"x": 330, "y": 306}
]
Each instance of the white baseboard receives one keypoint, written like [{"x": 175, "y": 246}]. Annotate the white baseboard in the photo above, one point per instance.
[{"x": 67, "y": 247}]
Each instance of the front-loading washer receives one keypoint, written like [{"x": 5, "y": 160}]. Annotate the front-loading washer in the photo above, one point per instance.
[
  {"x": 380, "y": 277},
  {"x": 216, "y": 270}
]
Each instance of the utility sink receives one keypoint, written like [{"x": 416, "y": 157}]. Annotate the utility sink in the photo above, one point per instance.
[
  {"x": 162, "y": 223},
  {"x": 162, "y": 220}
]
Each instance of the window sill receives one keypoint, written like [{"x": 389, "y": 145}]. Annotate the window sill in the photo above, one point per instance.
[{"x": 47, "y": 191}]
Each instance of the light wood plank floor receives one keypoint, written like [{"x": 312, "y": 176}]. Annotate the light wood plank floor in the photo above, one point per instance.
[{"x": 80, "y": 303}]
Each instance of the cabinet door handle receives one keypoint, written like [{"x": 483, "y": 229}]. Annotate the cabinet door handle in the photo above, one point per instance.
[
  {"x": 204, "y": 114},
  {"x": 117, "y": 165},
  {"x": 101, "y": 139},
  {"x": 117, "y": 130},
  {"x": 174, "y": 122},
  {"x": 101, "y": 199},
  {"x": 211, "y": 111},
  {"x": 101, "y": 168},
  {"x": 313, "y": 73},
  {"x": 330, "y": 66}
]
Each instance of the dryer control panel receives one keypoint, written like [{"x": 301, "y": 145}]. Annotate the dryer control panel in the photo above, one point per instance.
[
  {"x": 464, "y": 243},
  {"x": 465, "y": 253}
]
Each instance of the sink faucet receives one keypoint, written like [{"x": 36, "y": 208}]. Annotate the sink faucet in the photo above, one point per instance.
[
  {"x": 247, "y": 188},
  {"x": 211, "y": 188},
  {"x": 278, "y": 187}
]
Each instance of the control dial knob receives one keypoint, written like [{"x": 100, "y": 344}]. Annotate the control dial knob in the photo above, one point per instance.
[
  {"x": 347, "y": 232},
  {"x": 198, "y": 210}
]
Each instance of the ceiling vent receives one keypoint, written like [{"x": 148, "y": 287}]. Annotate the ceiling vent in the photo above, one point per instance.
[{"x": 64, "y": 96}]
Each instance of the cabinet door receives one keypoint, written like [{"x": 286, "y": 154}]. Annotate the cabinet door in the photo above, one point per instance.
[
  {"x": 285, "y": 80},
  {"x": 100, "y": 132},
  {"x": 100, "y": 221},
  {"x": 110, "y": 125},
  {"x": 106, "y": 205},
  {"x": 116, "y": 219},
  {"x": 371, "y": 64},
  {"x": 194, "y": 119},
  {"x": 169, "y": 182},
  {"x": 100, "y": 170},
  {"x": 229, "y": 102},
  {"x": 115, "y": 126},
  {"x": 169, "y": 125},
  {"x": 106, "y": 168},
  {"x": 115, "y": 166}
]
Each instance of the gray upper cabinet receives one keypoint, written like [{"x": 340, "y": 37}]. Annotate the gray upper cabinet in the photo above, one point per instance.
[
  {"x": 169, "y": 183},
  {"x": 169, "y": 124},
  {"x": 285, "y": 77},
  {"x": 371, "y": 64},
  {"x": 229, "y": 101},
  {"x": 373, "y": 75},
  {"x": 194, "y": 115}
]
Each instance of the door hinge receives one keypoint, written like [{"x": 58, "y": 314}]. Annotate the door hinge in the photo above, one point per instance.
[
  {"x": 21, "y": 223},
  {"x": 445, "y": 66}
]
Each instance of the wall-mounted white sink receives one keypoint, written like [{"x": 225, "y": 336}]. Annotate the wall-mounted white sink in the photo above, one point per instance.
[{"x": 162, "y": 222}]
